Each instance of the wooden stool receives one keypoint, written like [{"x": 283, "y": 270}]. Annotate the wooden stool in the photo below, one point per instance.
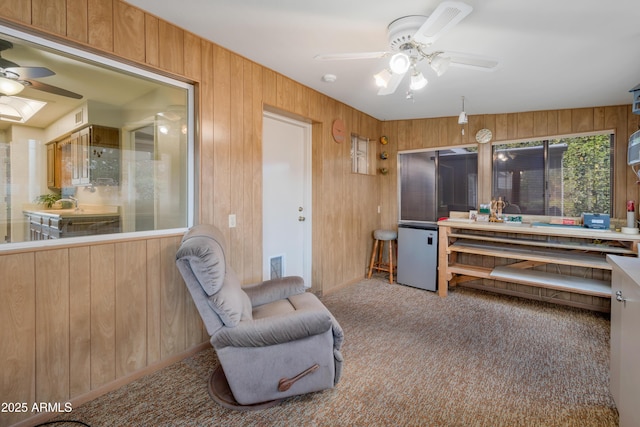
[{"x": 377, "y": 263}]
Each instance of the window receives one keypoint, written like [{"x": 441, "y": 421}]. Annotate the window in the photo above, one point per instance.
[
  {"x": 109, "y": 150},
  {"x": 559, "y": 177},
  {"x": 434, "y": 183},
  {"x": 362, "y": 155}
]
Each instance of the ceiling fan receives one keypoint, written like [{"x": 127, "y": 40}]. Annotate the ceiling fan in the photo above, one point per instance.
[
  {"x": 14, "y": 78},
  {"x": 410, "y": 38}
]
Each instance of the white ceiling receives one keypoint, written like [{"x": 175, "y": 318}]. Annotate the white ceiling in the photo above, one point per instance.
[{"x": 553, "y": 54}]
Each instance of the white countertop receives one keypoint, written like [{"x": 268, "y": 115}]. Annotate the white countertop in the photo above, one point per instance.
[{"x": 627, "y": 265}]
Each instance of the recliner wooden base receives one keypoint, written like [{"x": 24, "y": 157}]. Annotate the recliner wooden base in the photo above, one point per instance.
[{"x": 221, "y": 393}]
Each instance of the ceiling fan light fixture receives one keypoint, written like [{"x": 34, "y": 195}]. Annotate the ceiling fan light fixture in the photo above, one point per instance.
[
  {"x": 440, "y": 64},
  {"x": 400, "y": 63},
  {"x": 382, "y": 78},
  {"x": 418, "y": 81},
  {"x": 10, "y": 87}
]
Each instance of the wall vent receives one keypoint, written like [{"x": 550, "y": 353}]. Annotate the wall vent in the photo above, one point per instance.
[
  {"x": 276, "y": 267},
  {"x": 78, "y": 117}
]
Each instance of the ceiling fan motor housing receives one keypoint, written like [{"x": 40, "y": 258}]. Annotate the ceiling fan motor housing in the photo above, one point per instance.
[{"x": 402, "y": 30}]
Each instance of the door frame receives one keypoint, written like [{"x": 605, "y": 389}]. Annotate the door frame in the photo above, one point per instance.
[{"x": 307, "y": 191}]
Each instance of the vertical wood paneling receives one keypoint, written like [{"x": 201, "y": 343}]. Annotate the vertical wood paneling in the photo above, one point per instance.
[
  {"x": 154, "y": 300},
  {"x": 151, "y": 42},
  {"x": 173, "y": 298},
  {"x": 525, "y": 125},
  {"x": 206, "y": 148},
  {"x": 52, "y": 320},
  {"x": 255, "y": 141},
  {"x": 221, "y": 138},
  {"x": 237, "y": 242},
  {"x": 552, "y": 122},
  {"x": 50, "y": 15},
  {"x": 564, "y": 122},
  {"x": 79, "y": 321},
  {"x": 129, "y": 32},
  {"x": 103, "y": 337},
  {"x": 192, "y": 57},
  {"x": 130, "y": 307},
  {"x": 100, "y": 17},
  {"x": 171, "y": 55},
  {"x": 17, "y": 334},
  {"x": 16, "y": 10},
  {"x": 77, "y": 20},
  {"x": 582, "y": 120},
  {"x": 540, "y": 123}
]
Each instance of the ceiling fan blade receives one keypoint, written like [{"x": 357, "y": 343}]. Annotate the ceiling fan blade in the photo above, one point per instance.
[
  {"x": 346, "y": 56},
  {"x": 475, "y": 62},
  {"x": 446, "y": 15},
  {"x": 30, "y": 72},
  {"x": 51, "y": 89},
  {"x": 392, "y": 84}
]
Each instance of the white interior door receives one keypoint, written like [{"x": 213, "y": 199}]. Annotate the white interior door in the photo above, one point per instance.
[{"x": 286, "y": 198}]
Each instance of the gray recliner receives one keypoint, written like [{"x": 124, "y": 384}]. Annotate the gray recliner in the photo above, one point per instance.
[{"x": 273, "y": 339}]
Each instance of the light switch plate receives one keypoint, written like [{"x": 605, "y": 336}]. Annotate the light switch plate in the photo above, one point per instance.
[{"x": 232, "y": 220}]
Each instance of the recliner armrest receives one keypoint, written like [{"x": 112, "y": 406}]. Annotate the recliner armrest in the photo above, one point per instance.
[
  {"x": 274, "y": 330},
  {"x": 273, "y": 290}
]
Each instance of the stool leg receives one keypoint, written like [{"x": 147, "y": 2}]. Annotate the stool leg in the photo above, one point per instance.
[
  {"x": 390, "y": 261},
  {"x": 373, "y": 258}
]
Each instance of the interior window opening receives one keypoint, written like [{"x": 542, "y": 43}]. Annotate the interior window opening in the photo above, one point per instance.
[{"x": 89, "y": 145}]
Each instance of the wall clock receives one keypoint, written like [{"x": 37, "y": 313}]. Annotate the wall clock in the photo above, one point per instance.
[
  {"x": 483, "y": 136},
  {"x": 337, "y": 131}
]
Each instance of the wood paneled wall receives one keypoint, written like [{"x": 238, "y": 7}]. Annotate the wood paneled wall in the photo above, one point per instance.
[
  {"x": 79, "y": 317},
  {"x": 446, "y": 132},
  {"x": 73, "y": 317},
  {"x": 76, "y": 318}
]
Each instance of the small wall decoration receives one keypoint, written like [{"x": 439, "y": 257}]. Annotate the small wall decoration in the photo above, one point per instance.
[
  {"x": 384, "y": 155},
  {"x": 384, "y": 140},
  {"x": 337, "y": 131}
]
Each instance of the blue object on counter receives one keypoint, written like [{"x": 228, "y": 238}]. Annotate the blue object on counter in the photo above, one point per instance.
[{"x": 595, "y": 221}]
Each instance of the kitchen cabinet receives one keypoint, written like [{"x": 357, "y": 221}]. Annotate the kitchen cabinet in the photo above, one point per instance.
[
  {"x": 90, "y": 155},
  {"x": 95, "y": 156},
  {"x": 58, "y": 164},
  {"x": 625, "y": 338},
  {"x": 45, "y": 226}
]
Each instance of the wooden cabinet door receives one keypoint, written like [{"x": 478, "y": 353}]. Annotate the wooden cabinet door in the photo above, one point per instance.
[{"x": 51, "y": 165}]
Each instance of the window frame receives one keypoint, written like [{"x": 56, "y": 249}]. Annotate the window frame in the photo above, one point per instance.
[
  {"x": 120, "y": 66},
  {"x": 545, "y": 140}
]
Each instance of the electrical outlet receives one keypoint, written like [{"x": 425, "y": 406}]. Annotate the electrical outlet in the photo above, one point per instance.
[
  {"x": 232, "y": 220},
  {"x": 378, "y": 208}
]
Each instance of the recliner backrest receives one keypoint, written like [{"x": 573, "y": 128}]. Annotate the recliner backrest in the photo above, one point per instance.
[{"x": 213, "y": 284}]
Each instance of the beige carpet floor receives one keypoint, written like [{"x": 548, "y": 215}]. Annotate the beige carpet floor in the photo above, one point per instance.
[{"x": 412, "y": 359}]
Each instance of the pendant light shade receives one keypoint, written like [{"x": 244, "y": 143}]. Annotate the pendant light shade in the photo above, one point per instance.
[
  {"x": 418, "y": 81},
  {"x": 382, "y": 78}
]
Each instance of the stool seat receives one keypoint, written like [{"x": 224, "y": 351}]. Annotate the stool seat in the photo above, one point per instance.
[
  {"x": 385, "y": 235},
  {"x": 377, "y": 257}
]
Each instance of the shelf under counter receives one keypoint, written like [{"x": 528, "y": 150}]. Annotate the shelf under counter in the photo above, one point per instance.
[{"x": 483, "y": 254}]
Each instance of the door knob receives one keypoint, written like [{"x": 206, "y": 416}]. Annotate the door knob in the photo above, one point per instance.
[{"x": 301, "y": 218}]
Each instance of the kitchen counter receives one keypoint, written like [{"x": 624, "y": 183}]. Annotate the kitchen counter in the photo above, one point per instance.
[
  {"x": 82, "y": 211},
  {"x": 45, "y": 224}
]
